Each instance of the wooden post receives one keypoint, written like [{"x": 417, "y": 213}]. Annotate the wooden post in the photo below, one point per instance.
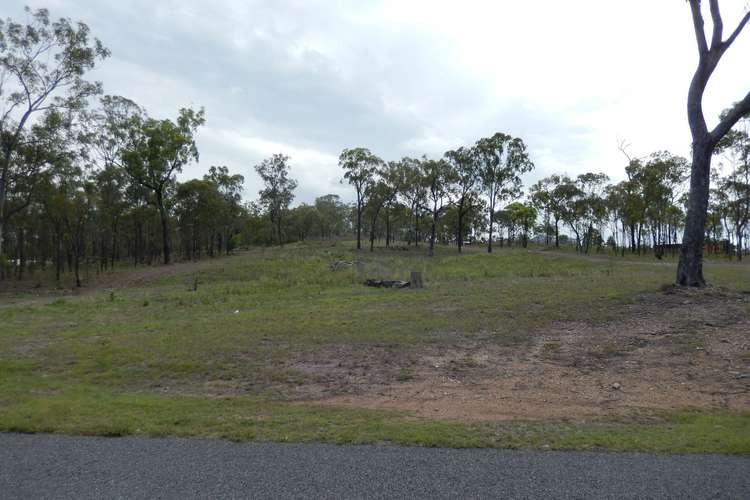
[{"x": 416, "y": 280}]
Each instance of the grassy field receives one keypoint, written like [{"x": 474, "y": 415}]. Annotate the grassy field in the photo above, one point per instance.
[{"x": 142, "y": 358}]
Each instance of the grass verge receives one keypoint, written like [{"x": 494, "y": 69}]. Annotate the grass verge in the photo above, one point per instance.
[{"x": 90, "y": 411}]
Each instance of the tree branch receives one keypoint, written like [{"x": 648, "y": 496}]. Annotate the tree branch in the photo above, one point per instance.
[
  {"x": 718, "y": 25},
  {"x": 700, "y": 35},
  {"x": 737, "y": 31},
  {"x": 739, "y": 110}
]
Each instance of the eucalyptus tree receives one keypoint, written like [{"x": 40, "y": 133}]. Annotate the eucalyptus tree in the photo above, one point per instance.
[
  {"x": 549, "y": 195},
  {"x": 230, "y": 188},
  {"x": 157, "y": 150},
  {"x": 360, "y": 167},
  {"x": 278, "y": 191},
  {"x": 68, "y": 198},
  {"x": 51, "y": 139},
  {"x": 464, "y": 163},
  {"x": 502, "y": 160},
  {"x": 735, "y": 186},
  {"x": 111, "y": 185},
  {"x": 438, "y": 178},
  {"x": 413, "y": 191},
  {"x": 111, "y": 128},
  {"x": 332, "y": 215},
  {"x": 519, "y": 216},
  {"x": 592, "y": 210},
  {"x": 572, "y": 208},
  {"x": 617, "y": 206},
  {"x": 42, "y": 68},
  {"x": 690, "y": 266},
  {"x": 385, "y": 191},
  {"x": 658, "y": 179},
  {"x": 302, "y": 221},
  {"x": 198, "y": 207},
  {"x": 377, "y": 193}
]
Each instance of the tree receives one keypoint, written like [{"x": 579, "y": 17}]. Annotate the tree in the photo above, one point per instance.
[
  {"x": 278, "y": 192},
  {"x": 502, "y": 160},
  {"x": 735, "y": 187},
  {"x": 584, "y": 206},
  {"x": 657, "y": 180},
  {"x": 439, "y": 178},
  {"x": 464, "y": 164},
  {"x": 198, "y": 206},
  {"x": 549, "y": 195},
  {"x": 377, "y": 194},
  {"x": 111, "y": 184},
  {"x": 41, "y": 69},
  {"x": 521, "y": 216},
  {"x": 380, "y": 195},
  {"x": 157, "y": 150},
  {"x": 690, "y": 266},
  {"x": 331, "y": 215},
  {"x": 359, "y": 166},
  {"x": 413, "y": 191},
  {"x": 230, "y": 190}
]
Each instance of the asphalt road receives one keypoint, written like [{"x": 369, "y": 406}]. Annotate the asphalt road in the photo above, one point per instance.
[{"x": 44, "y": 466}]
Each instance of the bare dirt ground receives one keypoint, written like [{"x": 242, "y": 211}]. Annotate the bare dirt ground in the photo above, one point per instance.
[{"x": 675, "y": 350}]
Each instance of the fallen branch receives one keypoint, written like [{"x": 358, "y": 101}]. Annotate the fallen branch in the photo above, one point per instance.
[{"x": 387, "y": 283}]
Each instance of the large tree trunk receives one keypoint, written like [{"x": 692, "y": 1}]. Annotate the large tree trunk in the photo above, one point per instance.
[{"x": 690, "y": 266}]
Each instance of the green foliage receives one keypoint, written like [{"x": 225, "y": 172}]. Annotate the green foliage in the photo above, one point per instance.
[
  {"x": 43, "y": 64},
  {"x": 278, "y": 192}
]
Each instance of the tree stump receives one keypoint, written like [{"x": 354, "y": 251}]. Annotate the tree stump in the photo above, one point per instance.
[{"x": 416, "y": 280}]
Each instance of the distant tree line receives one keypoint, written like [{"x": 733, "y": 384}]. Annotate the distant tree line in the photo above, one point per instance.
[{"x": 90, "y": 180}]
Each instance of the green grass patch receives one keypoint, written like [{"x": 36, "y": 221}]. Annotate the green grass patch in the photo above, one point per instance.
[
  {"x": 90, "y": 411},
  {"x": 101, "y": 362}
]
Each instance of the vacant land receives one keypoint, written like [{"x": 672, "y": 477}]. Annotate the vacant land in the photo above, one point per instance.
[{"x": 518, "y": 348}]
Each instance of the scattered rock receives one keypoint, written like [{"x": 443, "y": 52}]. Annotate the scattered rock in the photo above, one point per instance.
[
  {"x": 616, "y": 386},
  {"x": 742, "y": 375}
]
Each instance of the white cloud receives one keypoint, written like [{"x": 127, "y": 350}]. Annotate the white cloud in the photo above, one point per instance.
[{"x": 310, "y": 78}]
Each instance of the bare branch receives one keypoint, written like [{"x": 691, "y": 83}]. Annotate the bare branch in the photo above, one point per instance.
[
  {"x": 700, "y": 35},
  {"x": 737, "y": 31},
  {"x": 718, "y": 25}
]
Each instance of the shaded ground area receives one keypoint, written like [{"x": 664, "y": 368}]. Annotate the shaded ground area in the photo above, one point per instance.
[{"x": 59, "y": 467}]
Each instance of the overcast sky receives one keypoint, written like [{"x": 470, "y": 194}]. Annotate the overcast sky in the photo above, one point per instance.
[{"x": 311, "y": 77}]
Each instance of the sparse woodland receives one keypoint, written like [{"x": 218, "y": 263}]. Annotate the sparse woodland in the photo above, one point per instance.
[
  {"x": 542, "y": 309},
  {"x": 90, "y": 180}
]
